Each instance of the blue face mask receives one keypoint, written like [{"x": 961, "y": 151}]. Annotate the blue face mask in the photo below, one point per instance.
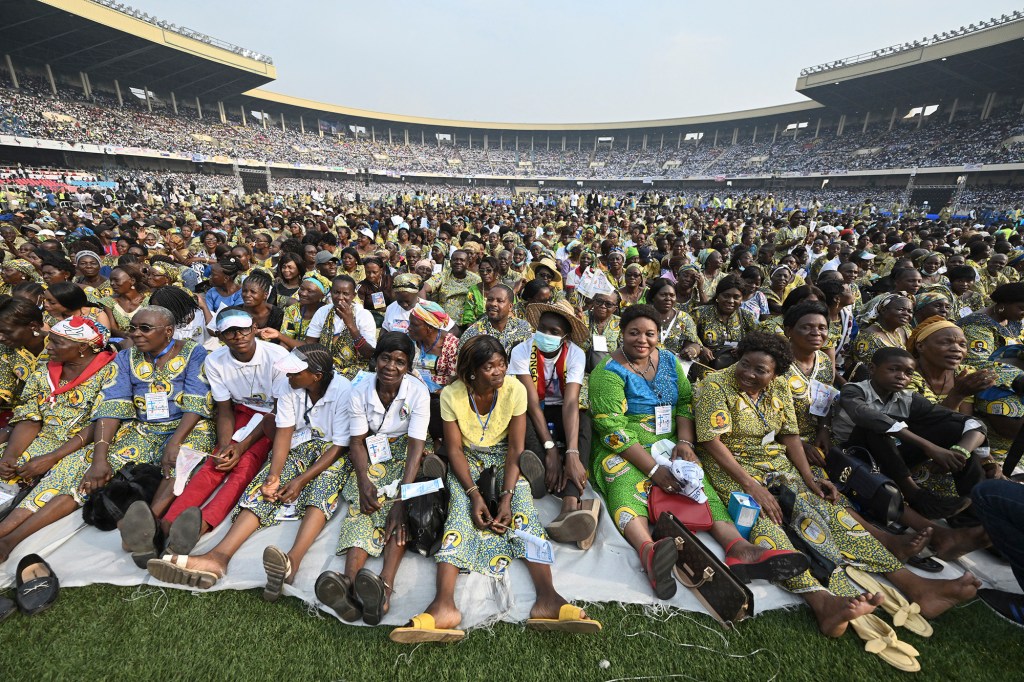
[{"x": 546, "y": 343}]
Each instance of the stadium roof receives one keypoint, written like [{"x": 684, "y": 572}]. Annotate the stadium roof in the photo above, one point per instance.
[
  {"x": 965, "y": 64},
  {"x": 79, "y": 35}
]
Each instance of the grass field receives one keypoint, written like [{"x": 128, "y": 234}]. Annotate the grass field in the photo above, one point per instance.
[{"x": 126, "y": 633}]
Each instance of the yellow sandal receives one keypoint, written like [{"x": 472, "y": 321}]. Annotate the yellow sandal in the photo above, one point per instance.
[
  {"x": 423, "y": 629},
  {"x": 881, "y": 640},
  {"x": 570, "y": 619}
]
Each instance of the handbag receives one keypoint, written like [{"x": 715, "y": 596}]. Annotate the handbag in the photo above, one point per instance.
[
  {"x": 131, "y": 483},
  {"x": 487, "y": 482},
  {"x": 698, "y": 569},
  {"x": 694, "y": 515},
  {"x": 855, "y": 474},
  {"x": 426, "y": 515}
]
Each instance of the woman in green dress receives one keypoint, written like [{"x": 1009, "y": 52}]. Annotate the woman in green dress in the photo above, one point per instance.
[
  {"x": 485, "y": 424},
  {"x": 641, "y": 396},
  {"x": 749, "y": 440}
]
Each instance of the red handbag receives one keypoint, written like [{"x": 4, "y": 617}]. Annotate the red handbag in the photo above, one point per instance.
[{"x": 696, "y": 516}]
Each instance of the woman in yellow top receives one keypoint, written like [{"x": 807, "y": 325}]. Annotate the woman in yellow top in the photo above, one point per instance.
[
  {"x": 485, "y": 425},
  {"x": 885, "y": 326}
]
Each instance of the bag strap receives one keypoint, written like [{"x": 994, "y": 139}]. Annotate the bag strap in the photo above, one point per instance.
[
  {"x": 866, "y": 455},
  {"x": 1013, "y": 456}
]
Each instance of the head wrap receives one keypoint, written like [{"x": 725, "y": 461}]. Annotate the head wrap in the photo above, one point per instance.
[
  {"x": 632, "y": 252},
  {"x": 425, "y": 262},
  {"x": 703, "y": 256},
  {"x": 82, "y": 330},
  {"x": 407, "y": 281},
  {"x": 1015, "y": 257},
  {"x": 319, "y": 280},
  {"x": 169, "y": 271},
  {"x": 930, "y": 296},
  {"x": 875, "y": 305},
  {"x": 87, "y": 254},
  {"x": 933, "y": 324},
  {"x": 431, "y": 313},
  {"x": 634, "y": 267},
  {"x": 22, "y": 266},
  {"x": 688, "y": 266}
]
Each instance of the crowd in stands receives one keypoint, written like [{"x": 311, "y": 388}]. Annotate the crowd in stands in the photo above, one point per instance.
[{"x": 70, "y": 117}]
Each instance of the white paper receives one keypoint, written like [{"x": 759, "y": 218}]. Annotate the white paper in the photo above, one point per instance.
[
  {"x": 822, "y": 398},
  {"x": 538, "y": 550},
  {"x": 378, "y": 448},
  {"x": 411, "y": 490},
  {"x": 897, "y": 427},
  {"x": 396, "y": 220},
  {"x": 301, "y": 436},
  {"x": 188, "y": 459},
  {"x": 600, "y": 343},
  {"x": 243, "y": 433}
]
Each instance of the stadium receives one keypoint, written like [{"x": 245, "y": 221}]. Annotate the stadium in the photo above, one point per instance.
[{"x": 164, "y": 154}]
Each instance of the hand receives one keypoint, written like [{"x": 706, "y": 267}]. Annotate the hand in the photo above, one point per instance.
[
  {"x": 394, "y": 526},
  {"x": 291, "y": 490},
  {"x": 229, "y": 456},
  {"x": 706, "y": 354},
  {"x": 664, "y": 479},
  {"x": 553, "y": 474},
  {"x": 574, "y": 472},
  {"x": 823, "y": 488},
  {"x": 348, "y": 314},
  {"x": 368, "y": 502},
  {"x": 270, "y": 487},
  {"x": 946, "y": 460},
  {"x": 684, "y": 451},
  {"x": 269, "y": 334},
  {"x": 96, "y": 476},
  {"x": 504, "y": 517},
  {"x": 35, "y": 467},
  {"x": 170, "y": 459},
  {"x": 481, "y": 517},
  {"x": 969, "y": 383},
  {"x": 769, "y": 505},
  {"x": 813, "y": 455},
  {"x": 8, "y": 467}
]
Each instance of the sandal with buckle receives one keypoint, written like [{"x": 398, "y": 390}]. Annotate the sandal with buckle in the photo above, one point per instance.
[{"x": 660, "y": 559}]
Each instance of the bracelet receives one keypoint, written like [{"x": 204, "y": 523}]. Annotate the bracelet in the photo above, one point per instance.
[
  {"x": 98, "y": 442},
  {"x": 962, "y": 450},
  {"x": 692, "y": 446},
  {"x": 651, "y": 472},
  {"x": 470, "y": 490},
  {"x": 506, "y": 492},
  {"x": 573, "y": 450}
]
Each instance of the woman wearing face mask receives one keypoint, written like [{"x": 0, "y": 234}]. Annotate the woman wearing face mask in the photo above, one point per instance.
[
  {"x": 930, "y": 265},
  {"x": 723, "y": 323},
  {"x": 297, "y": 316}
]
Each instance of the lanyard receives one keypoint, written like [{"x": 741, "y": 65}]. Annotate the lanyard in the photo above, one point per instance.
[
  {"x": 165, "y": 351},
  {"x": 387, "y": 410},
  {"x": 476, "y": 412},
  {"x": 757, "y": 407}
]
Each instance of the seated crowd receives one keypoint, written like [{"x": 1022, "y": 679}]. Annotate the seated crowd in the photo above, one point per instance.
[{"x": 321, "y": 359}]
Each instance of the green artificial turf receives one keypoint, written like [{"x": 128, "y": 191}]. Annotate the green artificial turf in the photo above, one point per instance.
[{"x": 127, "y": 633}]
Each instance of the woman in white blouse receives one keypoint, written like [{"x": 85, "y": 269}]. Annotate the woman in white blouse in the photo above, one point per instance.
[{"x": 389, "y": 418}]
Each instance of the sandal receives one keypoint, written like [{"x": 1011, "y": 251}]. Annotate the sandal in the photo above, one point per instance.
[
  {"x": 335, "y": 590},
  {"x": 661, "y": 559},
  {"x": 534, "y": 472},
  {"x": 881, "y": 640},
  {"x": 185, "y": 531},
  {"x": 279, "y": 568},
  {"x": 174, "y": 569},
  {"x": 592, "y": 507},
  {"x": 572, "y": 526},
  {"x": 433, "y": 467},
  {"x": 138, "y": 533},
  {"x": 423, "y": 629},
  {"x": 570, "y": 619},
  {"x": 371, "y": 592},
  {"x": 36, "y": 585},
  {"x": 904, "y": 614},
  {"x": 774, "y": 565}
]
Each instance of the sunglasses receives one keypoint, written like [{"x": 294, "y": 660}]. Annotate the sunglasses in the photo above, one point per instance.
[{"x": 145, "y": 328}]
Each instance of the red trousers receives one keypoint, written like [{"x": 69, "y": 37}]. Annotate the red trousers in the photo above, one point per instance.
[{"x": 208, "y": 478}]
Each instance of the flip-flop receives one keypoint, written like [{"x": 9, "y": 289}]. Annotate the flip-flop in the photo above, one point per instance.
[
  {"x": 570, "y": 619},
  {"x": 173, "y": 569},
  {"x": 881, "y": 640},
  {"x": 334, "y": 589},
  {"x": 592, "y": 507},
  {"x": 572, "y": 526},
  {"x": 279, "y": 568},
  {"x": 36, "y": 585},
  {"x": 371, "y": 592},
  {"x": 138, "y": 533},
  {"x": 926, "y": 564},
  {"x": 185, "y": 531},
  {"x": 904, "y": 614},
  {"x": 422, "y": 629},
  {"x": 658, "y": 565},
  {"x": 533, "y": 471}
]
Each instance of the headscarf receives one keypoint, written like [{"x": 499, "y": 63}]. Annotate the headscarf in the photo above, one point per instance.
[
  {"x": 431, "y": 313},
  {"x": 634, "y": 267},
  {"x": 875, "y": 305},
  {"x": 22, "y": 266},
  {"x": 926, "y": 328},
  {"x": 703, "y": 255},
  {"x": 407, "y": 281},
  {"x": 318, "y": 280},
  {"x": 426, "y": 262},
  {"x": 169, "y": 271},
  {"x": 632, "y": 252},
  {"x": 82, "y": 330},
  {"x": 930, "y": 296},
  {"x": 1015, "y": 257},
  {"x": 90, "y": 254},
  {"x": 79, "y": 330}
]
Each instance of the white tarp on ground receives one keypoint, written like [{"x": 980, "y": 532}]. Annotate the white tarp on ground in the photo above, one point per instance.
[{"x": 608, "y": 572}]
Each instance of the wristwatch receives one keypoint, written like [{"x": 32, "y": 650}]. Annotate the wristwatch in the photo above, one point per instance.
[{"x": 548, "y": 444}]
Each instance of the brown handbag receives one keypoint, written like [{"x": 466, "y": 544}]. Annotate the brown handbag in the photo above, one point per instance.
[{"x": 710, "y": 580}]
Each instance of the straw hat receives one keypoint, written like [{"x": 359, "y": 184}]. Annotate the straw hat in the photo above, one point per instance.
[
  {"x": 550, "y": 264},
  {"x": 579, "y": 334}
]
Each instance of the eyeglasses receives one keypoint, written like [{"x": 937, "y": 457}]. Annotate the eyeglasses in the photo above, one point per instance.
[
  {"x": 145, "y": 328},
  {"x": 604, "y": 304},
  {"x": 235, "y": 332}
]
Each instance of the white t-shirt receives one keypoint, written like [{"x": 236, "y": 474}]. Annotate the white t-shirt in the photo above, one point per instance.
[
  {"x": 247, "y": 383},
  {"x": 364, "y": 323},
  {"x": 396, "y": 318},
  {"x": 409, "y": 413},
  {"x": 328, "y": 419},
  {"x": 575, "y": 363}
]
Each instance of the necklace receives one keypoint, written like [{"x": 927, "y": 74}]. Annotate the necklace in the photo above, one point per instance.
[
  {"x": 643, "y": 373},
  {"x": 894, "y": 338}
]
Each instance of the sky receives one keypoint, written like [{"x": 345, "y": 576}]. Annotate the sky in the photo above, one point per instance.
[{"x": 560, "y": 61}]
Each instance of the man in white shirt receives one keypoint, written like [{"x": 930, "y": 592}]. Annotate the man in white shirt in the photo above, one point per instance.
[{"x": 242, "y": 378}]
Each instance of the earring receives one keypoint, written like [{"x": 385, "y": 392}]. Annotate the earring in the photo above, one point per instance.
[
  {"x": 35, "y": 332},
  {"x": 81, "y": 353},
  {"x": 472, "y": 377}
]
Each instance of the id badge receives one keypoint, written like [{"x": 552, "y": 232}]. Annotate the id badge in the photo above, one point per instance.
[
  {"x": 600, "y": 343},
  {"x": 769, "y": 438},
  {"x": 662, "y": 419},
  {"x": 379, "y": 449},
  {"x": 377, "y": 298},
  {"x": 157, "y": 406},
  {"x": 301, "y": 436},
  {"x": 822, "y": 397}
]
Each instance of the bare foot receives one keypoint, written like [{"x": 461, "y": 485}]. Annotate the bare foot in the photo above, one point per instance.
[
  {"x": 290, "y": 580},
  {"x": 446, "y": 616},
  {"x": 547, "y": 607},
  {"x": 938, "y": 596},
  {"x": 5, "y": 551},
  {"x": 904, "y": 547},
  {"x": 205, "y": 562},
  {"x": 952, "y": 543},
  {"x": 835, "y": 613}
]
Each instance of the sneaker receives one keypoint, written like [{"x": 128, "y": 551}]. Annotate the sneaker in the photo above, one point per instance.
[
  {"x": 1007, "y": 604},
  {"x": 933, "y": 506}
]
